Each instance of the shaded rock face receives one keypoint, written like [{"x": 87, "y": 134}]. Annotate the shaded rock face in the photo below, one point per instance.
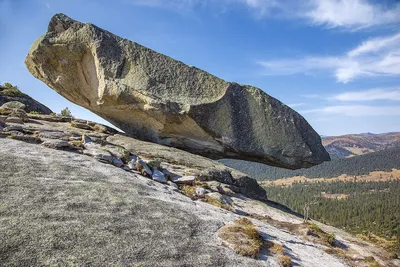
[
  {"x": 7, "y": 95},
  {"x": 156, "y": 98}
]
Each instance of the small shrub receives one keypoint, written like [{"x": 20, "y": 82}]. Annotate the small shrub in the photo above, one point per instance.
[
  {"x": 34, "y": 112},
  {"x": 66, "y": 113},
  {"x": 315, "y": 230},
  {"x": 10, "y": 86},
  {"x": 243, "y": 237},
  {"x": 330, "y": 238},
  {"x": 285, "y": 261}
]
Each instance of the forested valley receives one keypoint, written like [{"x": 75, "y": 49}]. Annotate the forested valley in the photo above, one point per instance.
[
  {"x": 359, "y": 207},
  {"x": 385, "y": 160}
]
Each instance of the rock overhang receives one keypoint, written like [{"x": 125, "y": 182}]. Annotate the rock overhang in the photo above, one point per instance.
[{"x": 156, "y": 98}]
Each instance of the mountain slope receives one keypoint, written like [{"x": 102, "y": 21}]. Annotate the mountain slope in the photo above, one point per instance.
[
  {"x": 361, "y": 165},
  {"x": 359, "y": 144}
]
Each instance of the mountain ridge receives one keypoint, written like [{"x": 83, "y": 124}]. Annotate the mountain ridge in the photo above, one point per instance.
[{"x": 351, "y": 145}]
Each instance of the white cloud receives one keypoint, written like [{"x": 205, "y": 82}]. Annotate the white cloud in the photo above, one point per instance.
[
  {"x": 376, "y": 45},
  {"x": 174, "y": 4},
  {"x": 348, "y": 14},
  {"x": 356, "y": 110},
  {"x": 355, "y": 14},
  {"x": 369, "y": 95},
  {"x": 374, "y": 57}
]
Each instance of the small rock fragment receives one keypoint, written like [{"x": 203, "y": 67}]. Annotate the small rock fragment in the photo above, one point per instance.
[
  {"x": 159, "y": 177},
  {"x": 86, "y": 139},
  {"x": 142, "y": 167},
  {"x": 100, "y": 155},
  {"x": 188, "y": 180},
  {"x": 132, "y": 164},
  {"x": 80, "y": 125},
  {"x": 14, "y": 120},
  {"x": 119, "y": 152},
  {"x": 19, "y": 128},
  {"x": 56, "y": 144},
  {"x": 53, "y": 135},
  {"x": 172, "y": 184},
  {"x": 26, "y": 138},
  {"x": 200, "y": 191},
  {"x": 117, "y": 162},
  {"x": 3, "y": 120}
]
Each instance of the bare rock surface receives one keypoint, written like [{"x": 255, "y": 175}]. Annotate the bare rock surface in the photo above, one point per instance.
[
  {"x": 64, "y": 208},
  {"x": 67, "y": 208},
  {"x": 156, "y": 98}
]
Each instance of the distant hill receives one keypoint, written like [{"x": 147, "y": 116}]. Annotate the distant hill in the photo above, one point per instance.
[
  {"x": 350, "y": 145},
  {"x": 385, "y": 160}
]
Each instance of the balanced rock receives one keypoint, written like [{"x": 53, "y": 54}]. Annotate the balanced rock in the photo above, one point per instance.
[{"x": 155, "y": 98}]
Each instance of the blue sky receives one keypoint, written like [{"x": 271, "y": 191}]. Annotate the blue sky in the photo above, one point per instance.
[{"x": 337, "y": 62}]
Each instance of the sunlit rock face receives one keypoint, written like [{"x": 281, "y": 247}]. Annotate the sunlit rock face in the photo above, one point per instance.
[{"x": 156, "y": 98}]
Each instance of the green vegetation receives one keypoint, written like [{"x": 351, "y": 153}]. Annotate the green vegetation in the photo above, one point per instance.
[
  {"x": 315, "y": 230},
  {"x": 10, "y": 90},
  {"x": 66, "y": 113},
  {"x": 385, "y": 160},
  {"x": 370, "y": 208}
]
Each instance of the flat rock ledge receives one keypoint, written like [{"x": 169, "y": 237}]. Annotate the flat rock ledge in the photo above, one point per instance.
[{"x": 162, "y": 164}]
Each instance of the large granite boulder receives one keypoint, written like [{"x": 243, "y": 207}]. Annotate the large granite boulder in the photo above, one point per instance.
[{"x": 156, "y": 98}]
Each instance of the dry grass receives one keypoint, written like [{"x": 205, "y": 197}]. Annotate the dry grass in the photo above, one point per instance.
[
  {"x": 372, "y": 262},
  {"x": 217, "y": 203},
  {"x": 201, "y": 184},
  {"x": 243, "y": 237},
  {"x": 285, "y": 261},
  {"x": 339, "y": 252},
  {"x": 389, "y": 245},
  {"x": 189, "y": 191},
  {"x": 275, "y": 248}
]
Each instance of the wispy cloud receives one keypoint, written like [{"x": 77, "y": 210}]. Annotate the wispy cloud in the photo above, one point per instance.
[
  {"x": 172, "y": 4},
  {"x": 392, "y": 94},
  {"x": 376, "y": 45},
  {"x": 374, "y": 57},
  {"x": 354, "y": 14},
  {"x": 356, "y": 110},
  {"x": 348, "y": 14}
]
